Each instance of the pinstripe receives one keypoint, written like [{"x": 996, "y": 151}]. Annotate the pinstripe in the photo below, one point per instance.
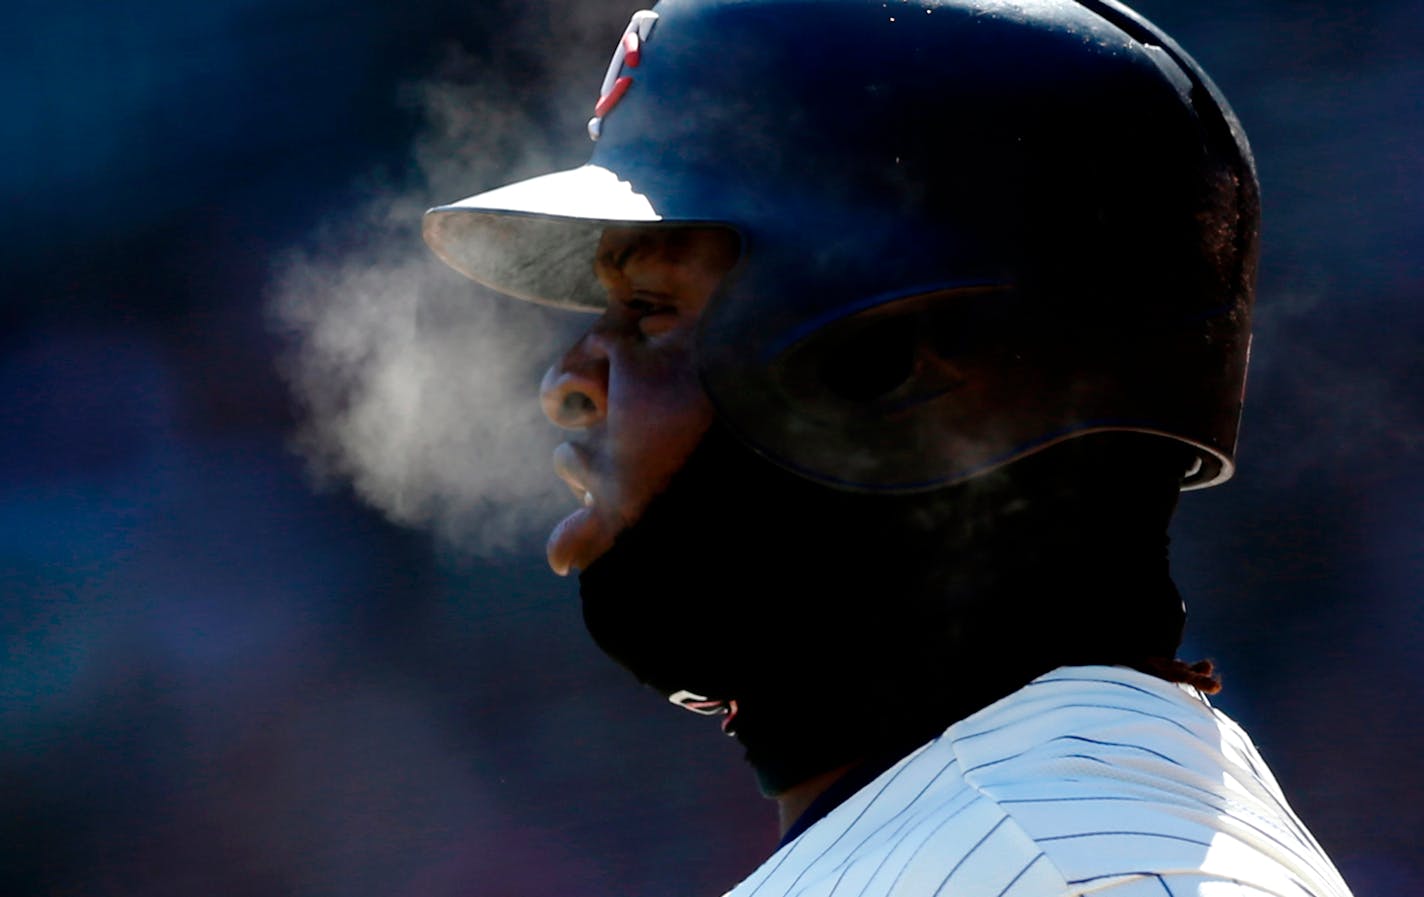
[
  {"x": 1265, "y": 833},
  {"x": 1245, "y": 888},
  {"x": 1013, "y": 881},
  {"x": 1074, "y": 800},
  {"x": 1104, "y": 834},
  {"x": 906, "y": 820},
  {"x": 969, "y": 853},
  {"x": 1050, "y": 679},
  {"x": 907, "y": 817},
  {"x": 1306, "y": 856},
  {"x": 1010, "y": 758},
  {"x": 1135, "y": 747},
  {"x": 1133, "y": 710},
  {"x": 1248, "y": 752},
  {"x": 1173, "y": 791},
  {"x": 1252, "y": 757},
  {"x": 1108, "y": 833},
  {"x": 1208, "y": 793},
  {"x": 914, "y": 853},
  {"x": 1098, "y": 760},
  {"x": 910, "y": 821},
  {"x": 790, "y": 848},
  {"x": 1092, "y": 878},
  {"x": 1021, "y": 754}
]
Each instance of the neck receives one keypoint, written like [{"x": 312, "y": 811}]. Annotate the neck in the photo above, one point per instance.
[{"x": 794, "y": 801}]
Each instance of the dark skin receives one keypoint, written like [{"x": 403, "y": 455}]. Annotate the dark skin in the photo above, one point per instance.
[
  {"x": 627, "y": 392},
  {"x": 790, "y": 804}
]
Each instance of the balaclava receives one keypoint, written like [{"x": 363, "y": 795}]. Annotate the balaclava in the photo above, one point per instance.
[{"x": 846, "y": 625}]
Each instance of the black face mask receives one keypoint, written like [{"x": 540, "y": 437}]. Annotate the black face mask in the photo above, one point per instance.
[{"x": 838, "y": 626}]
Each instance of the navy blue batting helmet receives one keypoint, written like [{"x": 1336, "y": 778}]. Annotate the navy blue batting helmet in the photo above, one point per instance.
[{"x": 970, "y": 228}]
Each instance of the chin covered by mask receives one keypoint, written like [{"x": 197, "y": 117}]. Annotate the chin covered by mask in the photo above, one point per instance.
[{"x": 846, "y": 625}]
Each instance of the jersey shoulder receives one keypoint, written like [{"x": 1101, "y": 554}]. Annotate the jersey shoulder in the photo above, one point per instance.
[
  {"x": 1118, "y": 775},
  {"x": 1088, "y": 779}
]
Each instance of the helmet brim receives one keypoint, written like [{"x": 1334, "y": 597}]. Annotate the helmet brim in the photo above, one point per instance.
[{"x": 535, "y": 239}]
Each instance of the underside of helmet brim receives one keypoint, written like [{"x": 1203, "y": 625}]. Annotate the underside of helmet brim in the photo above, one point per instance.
[{"x": 535, "y": 239}]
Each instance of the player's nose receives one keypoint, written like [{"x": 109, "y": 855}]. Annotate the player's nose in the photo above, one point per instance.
[{"x": 574, "y": 392}]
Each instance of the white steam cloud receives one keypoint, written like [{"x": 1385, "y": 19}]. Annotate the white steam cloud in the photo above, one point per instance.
[{"x": 417, "y": 386}]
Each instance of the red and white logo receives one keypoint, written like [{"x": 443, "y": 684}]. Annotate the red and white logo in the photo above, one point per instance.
[
  {"x": 626, "y": 55},
  {"x": 705, "y": 706}
]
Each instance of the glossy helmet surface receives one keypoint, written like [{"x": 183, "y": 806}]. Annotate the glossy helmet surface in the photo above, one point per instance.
[{"x": 970, "y": 228}]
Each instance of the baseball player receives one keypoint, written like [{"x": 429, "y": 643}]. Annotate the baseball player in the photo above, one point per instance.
[{"x": 910, "y": 322}]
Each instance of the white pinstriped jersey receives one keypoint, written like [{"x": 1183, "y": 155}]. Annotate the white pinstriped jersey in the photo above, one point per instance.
[{"x": 1089, "y": 780}]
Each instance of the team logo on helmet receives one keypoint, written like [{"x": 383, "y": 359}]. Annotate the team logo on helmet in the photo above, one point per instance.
[{"x": 627, "y": 54}]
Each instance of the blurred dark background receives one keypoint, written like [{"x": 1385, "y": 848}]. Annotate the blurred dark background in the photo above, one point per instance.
[{"x": 219, "y": 680}]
